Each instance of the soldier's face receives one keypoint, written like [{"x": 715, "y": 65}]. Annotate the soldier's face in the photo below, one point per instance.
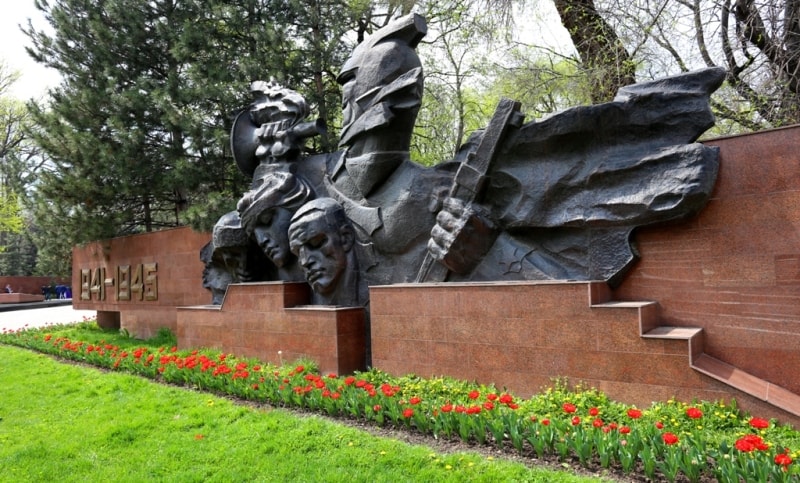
[
  {"x": 319, "y": 251},
  {"x": 350, "y": 109},
  {"x": 271, "y": 234}
]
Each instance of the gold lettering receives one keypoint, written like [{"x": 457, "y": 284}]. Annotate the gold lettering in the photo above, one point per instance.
[
  {"x": 150, "y": 281},
  {"x": 137, "y": 284},
  {"x": 98, "y": 287},
  {"x": 124, "y": 282},
  {"x": 86, "y": 277}
]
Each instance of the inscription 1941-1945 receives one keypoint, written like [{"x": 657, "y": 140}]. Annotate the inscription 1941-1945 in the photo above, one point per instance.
[{"x": 127, "y": 283}]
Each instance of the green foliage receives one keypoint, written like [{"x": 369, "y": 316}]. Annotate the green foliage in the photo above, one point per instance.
[
  {"x": 19, "y": 254},
  {"x": 13, "y": 149},
  {"x": 126, "y": 138},
  {"x": 202, "y": 216},
  {"x": 541, "y": 86},
  {"x": 10, "y": 219},
  {"x": 138, "y": 129},
  {"x": 140, "y": 431},
  {"x": 439, "y": 131},
  {"x": 460, "y": 37},
  {"x": 566, "y": 420}
]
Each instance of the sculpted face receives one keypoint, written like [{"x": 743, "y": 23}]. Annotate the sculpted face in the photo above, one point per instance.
[
  {"x": 350, "y": 110},
  {"x": 235, "y": 261},
  {"x": 321, "y": 251},
  {"x": 231, "y": 247},
  {"x": 216, "y": 279},
  {"x": 271, "y": 234},
  {"x": 266, "y": 212}
]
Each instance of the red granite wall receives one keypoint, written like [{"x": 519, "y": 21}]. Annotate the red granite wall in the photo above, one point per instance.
[
  {"x": 522, "y": 335},
  {"x": 143, "y": 278},
  {"x": 16, "y": 298},
  {"x": 734, "y": 270},
  {"x": 31, "y": 285},
  {"x": 268, "y": 321}
]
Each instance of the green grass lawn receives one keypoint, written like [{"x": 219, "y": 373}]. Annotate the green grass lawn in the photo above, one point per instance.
[{"x": 64, "y": 422}]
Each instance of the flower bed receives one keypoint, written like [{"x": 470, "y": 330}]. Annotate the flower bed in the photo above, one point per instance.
[{"x": 668, "y": 440}]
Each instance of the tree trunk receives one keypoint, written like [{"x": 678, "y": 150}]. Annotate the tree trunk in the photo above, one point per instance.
[{"x": 607, "y": 63}]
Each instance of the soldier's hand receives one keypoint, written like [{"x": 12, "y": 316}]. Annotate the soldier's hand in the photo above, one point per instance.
[{"x": 462, "y": 235}]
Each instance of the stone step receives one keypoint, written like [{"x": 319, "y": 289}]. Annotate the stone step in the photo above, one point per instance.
[
  {"x": 648, "y": 312},
  {"x": 748, "y": 383},
  {"x": 693, "y": 335},
  {"x": 705, "y": 364},
  {"x": 666, "y": 332}
]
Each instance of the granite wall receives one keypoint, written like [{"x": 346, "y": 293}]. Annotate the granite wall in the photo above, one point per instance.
[
  {"x": 734, "y": 270},
  {"x": 137, "y": 282}
]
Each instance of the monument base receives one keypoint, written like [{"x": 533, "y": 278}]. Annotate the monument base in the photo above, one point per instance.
[
  {"x": 108, "y": 320},
  {"x": 270, "y": 321},
  {"x": 523, "y": 335}
]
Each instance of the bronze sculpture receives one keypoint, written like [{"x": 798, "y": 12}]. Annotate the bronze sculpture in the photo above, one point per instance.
[
  {"x": 323, "y": 240},
  {"x": 231, "y": 257},
  {"x": 265, "y": 212},
  {"x": 557, "y": 198}
]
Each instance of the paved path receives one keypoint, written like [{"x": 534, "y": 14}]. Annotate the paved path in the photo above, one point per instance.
[{"x": 38, "y": 317}]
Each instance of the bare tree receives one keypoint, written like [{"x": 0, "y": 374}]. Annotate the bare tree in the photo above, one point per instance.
[
  {"x": 761, "y": 47},
  {"x": 758, "y": 42},
  {"x": 603, "y": 56}
]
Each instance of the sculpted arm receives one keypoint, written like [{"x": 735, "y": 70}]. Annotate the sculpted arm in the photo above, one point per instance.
[{"x": 463, "y": 234}]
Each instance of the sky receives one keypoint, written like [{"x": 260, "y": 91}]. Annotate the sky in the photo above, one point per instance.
[{"x": 35, "y": 78}]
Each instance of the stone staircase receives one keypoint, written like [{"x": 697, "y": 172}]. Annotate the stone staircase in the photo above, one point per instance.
[{"x": 650, "y": 328}]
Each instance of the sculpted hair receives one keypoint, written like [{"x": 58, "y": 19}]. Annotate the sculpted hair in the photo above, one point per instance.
[
  {"x": 331, "y": 209},
  {"x": 278, "y": 190}
]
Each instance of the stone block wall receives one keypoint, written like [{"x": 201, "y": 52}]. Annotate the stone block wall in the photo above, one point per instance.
[
  {"x": 734, "y": 270},
  {"x": 138, "y": 281},
  {"x": 31, "y": 285},
  {"x": 523, "y": 335},
  {"x": 269, "y": 321}
]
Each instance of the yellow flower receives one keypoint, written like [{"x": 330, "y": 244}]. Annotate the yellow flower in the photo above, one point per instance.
[{"x": 448, "y": 467}]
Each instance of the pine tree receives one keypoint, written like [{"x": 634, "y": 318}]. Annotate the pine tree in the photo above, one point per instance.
[
  {"x": 12, "y": 140},
  {"x": 139, "y": 128},
  {"x": 121, "y": 131}
]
